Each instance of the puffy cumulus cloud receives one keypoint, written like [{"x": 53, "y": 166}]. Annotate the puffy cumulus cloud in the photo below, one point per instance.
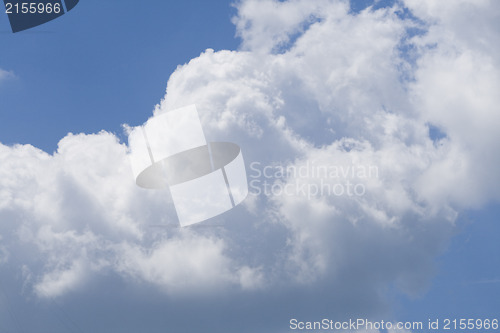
[
  {"x": 267, "y": 25},
  {"x": 315, "y": 83},
  {"x": 333, "y": 111},
  {"x": 336, "y": 96},
  {"x": 185, "y": 264},
  {"x": 463, "y": 23},
  {"x": 456, "y": 81},
  {"x": 77, "y": 214}
]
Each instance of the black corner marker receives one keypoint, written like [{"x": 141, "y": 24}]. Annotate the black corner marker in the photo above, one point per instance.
[
  {"x": 70, "y": 4},
  {"x": 26, "y": 14}
]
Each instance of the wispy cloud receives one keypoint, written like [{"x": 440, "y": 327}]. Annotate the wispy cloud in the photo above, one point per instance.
[{"x": 4, "y": 75}]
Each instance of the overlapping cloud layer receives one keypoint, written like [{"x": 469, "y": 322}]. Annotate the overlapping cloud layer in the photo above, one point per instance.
[{"x": 407, "y": 89}]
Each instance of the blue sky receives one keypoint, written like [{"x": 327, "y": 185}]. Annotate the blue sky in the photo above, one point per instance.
[
  {"x": 111, "y": 48},
  {"x": 107, "y": 63},
  {"x": 466, "y": 281}
]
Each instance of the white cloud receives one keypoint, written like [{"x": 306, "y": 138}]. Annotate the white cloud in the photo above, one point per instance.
[
  {"x": 266, "y": 25},
  {"x": 348, "y": 76},
  {"x": 5, "y": 74},
  {"x": 455, "y": 89},
  {"x": 299, "y": 105},
  {"x": 61, "y": 281},
  {"x": 81, "y": 211},
  {"x": 188, "y": 264}
]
